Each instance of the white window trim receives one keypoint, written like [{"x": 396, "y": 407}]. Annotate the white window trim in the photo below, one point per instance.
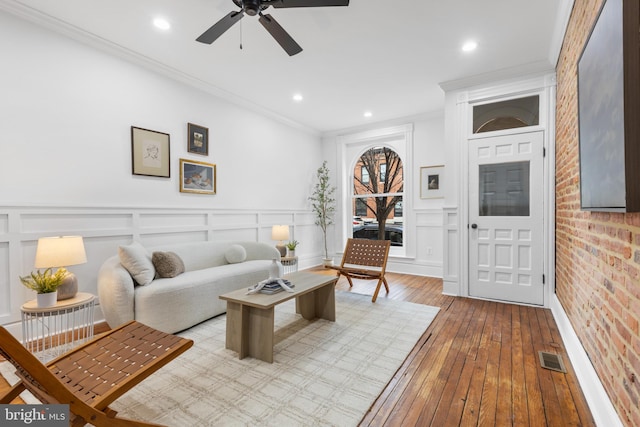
[{"x": 349, "y": 149}]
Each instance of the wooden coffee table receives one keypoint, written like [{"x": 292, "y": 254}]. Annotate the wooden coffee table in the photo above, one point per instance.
[{"x": 250, "y": 317}]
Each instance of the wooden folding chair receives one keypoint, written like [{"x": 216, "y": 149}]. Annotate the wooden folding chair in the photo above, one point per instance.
[
  {"x": 94, "y": 375},
  {"x": 365, "y": 259}
]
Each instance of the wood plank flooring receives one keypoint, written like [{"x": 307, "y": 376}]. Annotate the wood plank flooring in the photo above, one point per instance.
[{"x": 476, "y": 365}]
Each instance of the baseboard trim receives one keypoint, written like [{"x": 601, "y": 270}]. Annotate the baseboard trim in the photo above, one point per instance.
[{"x": 604, "y": 414}]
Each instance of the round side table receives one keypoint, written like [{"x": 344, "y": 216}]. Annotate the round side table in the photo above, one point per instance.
[
  {"x": 289, "y": 263},
  {"x": 49, "y": 332}
]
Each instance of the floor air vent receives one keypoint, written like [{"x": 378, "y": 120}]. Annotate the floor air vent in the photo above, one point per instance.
[{"x": 551, "y": 361}]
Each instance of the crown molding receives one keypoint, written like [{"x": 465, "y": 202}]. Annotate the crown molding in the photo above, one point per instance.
[
  {"x": 92, "y": 40},
  {"x": 520, "y": 71}
]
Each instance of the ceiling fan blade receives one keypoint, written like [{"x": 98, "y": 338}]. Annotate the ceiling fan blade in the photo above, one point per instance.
[
  {"x": 281, "y": 36},
  {"x": 309, "y": 3},
  {"x": 220, "y": 27}
]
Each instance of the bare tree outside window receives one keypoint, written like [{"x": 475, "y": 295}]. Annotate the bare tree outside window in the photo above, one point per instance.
[{"x": 379, "y": 183}]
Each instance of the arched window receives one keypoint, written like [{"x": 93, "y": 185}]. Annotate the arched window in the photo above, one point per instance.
[{"x": 378, "y": 189}]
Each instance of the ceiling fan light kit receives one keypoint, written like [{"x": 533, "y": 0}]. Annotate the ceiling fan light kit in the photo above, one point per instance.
[{"x": 255, "y": 7}]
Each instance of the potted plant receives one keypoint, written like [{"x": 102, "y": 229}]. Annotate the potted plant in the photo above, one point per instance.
[
  {"x": 324, "y": 205},
  {"x": 46, "y": 285},
  {"x": 292, "y": 247}
]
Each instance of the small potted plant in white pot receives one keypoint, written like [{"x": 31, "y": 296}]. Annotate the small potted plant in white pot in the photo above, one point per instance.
[
  {"x": 46, "y": 285},
  {"x": 292, "y": 247},
  {"x": 324, "y": 205}
]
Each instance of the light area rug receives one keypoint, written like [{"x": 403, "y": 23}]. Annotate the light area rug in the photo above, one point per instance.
[{"x": 324, "y": 373}]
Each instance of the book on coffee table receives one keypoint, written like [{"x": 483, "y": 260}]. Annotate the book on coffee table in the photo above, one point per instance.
[{"x": 271, "y": 286}]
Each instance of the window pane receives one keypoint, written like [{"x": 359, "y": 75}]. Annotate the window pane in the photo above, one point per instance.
[
  {"x": 397, "y": 211},
  {"x": 504, "y": 189},
  {"x": 510, "y": 114},
  {"x": 364, "y": 174},
  {"x": 368, "y": 227},
  {"x": 361, "y": 208},
  {"x": 377, "y": 196}
]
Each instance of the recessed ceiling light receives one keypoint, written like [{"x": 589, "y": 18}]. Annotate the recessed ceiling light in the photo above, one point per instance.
[
  {"x": 161, "y": 23},
  {"x": 469, "y": 46},
  {"x": 368, "y": 114},
  {"x": 297, "y": 97}
]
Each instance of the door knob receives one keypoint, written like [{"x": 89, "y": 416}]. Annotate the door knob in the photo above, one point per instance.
[{"x": 474, "y": 226}]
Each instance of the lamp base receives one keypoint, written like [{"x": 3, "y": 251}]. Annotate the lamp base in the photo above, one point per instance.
[
  {"x": 282, "y": 249},
  {"x": 69, "y": 287}
]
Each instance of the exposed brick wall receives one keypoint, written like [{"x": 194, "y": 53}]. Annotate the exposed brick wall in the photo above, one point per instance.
[{"x": 598, "y": 254}]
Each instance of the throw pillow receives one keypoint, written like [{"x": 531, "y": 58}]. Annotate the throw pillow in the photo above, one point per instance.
[
  {"x": 235, "y": 254},
  {"x": 137, "y": 261},
  {"x": 167, "y": 264}
]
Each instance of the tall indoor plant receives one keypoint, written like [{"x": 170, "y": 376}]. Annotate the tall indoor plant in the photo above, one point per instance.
[{"x": 324, "y": 204}]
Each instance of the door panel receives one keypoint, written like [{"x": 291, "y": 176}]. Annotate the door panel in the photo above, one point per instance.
[{"x": 506, "y": 217}]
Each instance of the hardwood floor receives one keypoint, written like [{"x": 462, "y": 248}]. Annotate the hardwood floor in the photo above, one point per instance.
[{"x": 477, "y": 364}]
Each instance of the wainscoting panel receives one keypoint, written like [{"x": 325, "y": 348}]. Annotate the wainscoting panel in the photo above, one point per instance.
[
  {"x": 428, "y": 252},
  {"x": 5, "y": 293},
  {"x": 157, "y": 238},
  {"x": 4, "y": 224},
  {"x": 220, "y": 220},
  {"x": 106, "y": 228},
  {"x": 452, "y": 256},
  {"x": 73, "y": 222},
  {"x": 250, "y": 234},
  {"x": 173, "y": 220}
]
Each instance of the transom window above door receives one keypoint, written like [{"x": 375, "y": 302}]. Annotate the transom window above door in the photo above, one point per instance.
[{"x": 510, "y": 114}]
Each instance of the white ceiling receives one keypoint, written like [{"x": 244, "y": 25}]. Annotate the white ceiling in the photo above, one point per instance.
[{"x": 385, "y": 56}]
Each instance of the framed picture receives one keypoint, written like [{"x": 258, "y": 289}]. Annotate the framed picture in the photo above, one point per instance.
[
  {"x": 198, "y": 139},
  {"x": 149, "y": 153},
  {"x": 608, "y": 109},
  {"x": 431, "y": 182},
  {"x": 197, "y": 177}
]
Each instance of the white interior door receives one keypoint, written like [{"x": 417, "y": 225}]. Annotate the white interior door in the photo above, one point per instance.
[{"x": 506, "y": 218}]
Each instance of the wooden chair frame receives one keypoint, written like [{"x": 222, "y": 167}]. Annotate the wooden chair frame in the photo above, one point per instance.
[
  {"x": 358, "y": 258},
  {"x": 92, "y": 376}
]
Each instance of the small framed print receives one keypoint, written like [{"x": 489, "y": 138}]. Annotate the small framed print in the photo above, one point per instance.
[
  {"x": 150, "y": 153},
  {"x": 431, "y": 182},
  {"x": 198, "y": 142},
  {"x": 197, "y": 177}
]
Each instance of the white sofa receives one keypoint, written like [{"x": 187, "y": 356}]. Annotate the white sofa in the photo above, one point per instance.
[{"x": 177, "y": 303}]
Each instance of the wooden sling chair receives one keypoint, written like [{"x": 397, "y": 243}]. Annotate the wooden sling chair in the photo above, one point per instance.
[
  {"x": 93, "y": 375},
  {"x": 365, "y": 259}
]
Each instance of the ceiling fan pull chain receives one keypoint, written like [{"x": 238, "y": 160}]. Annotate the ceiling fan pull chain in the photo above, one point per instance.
[{"x": 240, "y": 35}]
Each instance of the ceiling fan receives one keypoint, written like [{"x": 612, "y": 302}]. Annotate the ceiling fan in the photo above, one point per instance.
[{"x": 255, "y": 7}]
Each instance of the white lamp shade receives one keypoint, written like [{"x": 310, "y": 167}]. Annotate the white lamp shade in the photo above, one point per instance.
[
  {"x": 60, "y": 251},
  {"x": 280, "y": 232}
]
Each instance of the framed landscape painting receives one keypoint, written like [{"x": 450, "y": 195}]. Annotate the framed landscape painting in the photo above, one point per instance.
[
  {"x": 150, "y": 153},
  {"x": 608, "y": 107},
  {"x": 197, "y": 177}
]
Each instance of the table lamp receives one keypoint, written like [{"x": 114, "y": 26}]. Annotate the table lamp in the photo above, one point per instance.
[
  {"x": 62, "y": 251},
  {"x": 280, "y": 233}
]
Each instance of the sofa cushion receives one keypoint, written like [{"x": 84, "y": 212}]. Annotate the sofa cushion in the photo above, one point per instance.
[
  {"x": 235, "y": 254},
  {"x": 167, "y": 264},
  {"x": 175, "y": 304},
  {"x": 136, "y": 260}
]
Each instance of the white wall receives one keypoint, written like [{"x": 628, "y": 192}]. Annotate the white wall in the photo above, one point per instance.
[
  {"x": 65, "y": 159},
  {"x": 66, "y": 112}
]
